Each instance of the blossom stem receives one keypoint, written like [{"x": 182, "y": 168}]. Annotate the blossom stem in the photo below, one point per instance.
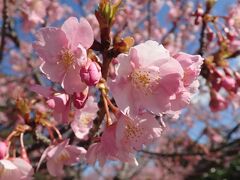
[
  {"x": 57, "y": 131},
  {"x": 21, "y": 141},
  {"x": 10, "y": 136},
  {"x": 111, "y": 105},
  {"x": 109, "y": 121},
  {"x": 51, "y": 134}
]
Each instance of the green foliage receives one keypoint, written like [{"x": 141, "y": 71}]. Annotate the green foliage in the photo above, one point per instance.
[{"x": 231, "y": 172}]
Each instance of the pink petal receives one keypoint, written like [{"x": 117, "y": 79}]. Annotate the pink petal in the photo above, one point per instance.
[
  {"x": 78, "y": 32},
  {"x": 76, "y": 153},
  {"x": 60, "y": 101},
  {"x": 50, "y": 43},
  {"x": 44, "y": 91},
  {"x": 57, "y": 149},
  {"x": 54, "y": 72},
  {"x": 43, "y": 157},
  {"x": 151, "y": 52},
  {"x": 124, "y": 69},
  {"x": 72, "y": 81},
  {"x": 79, "y": 129},
  {"x": 118, "y": 89},
  {"x": 55, "y": 169},
  {"x": 25, "y": 168},
  {"x": 92, "y": 153}
]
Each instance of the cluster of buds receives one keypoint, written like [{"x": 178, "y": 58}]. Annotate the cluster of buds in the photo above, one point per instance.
[{"x": 226, "y": 80}]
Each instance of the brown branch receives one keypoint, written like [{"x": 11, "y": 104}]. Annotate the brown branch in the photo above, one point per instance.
[
  {"x": 4, "y": 28},
  {"x": 184, "y": 154},
  {"x": 149, "y": 16}
]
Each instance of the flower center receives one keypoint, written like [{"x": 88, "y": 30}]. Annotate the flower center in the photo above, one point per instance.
[
  {"x": 86, "y": 119},
  {"x": 67, "y": 58},
  {"x": 64, "y": 156},
  {"x": 144, "y": 80},
  {"x": 133, "y": 132}
]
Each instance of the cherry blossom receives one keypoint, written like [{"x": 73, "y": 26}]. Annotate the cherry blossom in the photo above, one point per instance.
[
  {"x": 149, "y": 77},
  {"x": 107, "y": 149},
  {"x": 134, "y": 133},
  {"x": 83, "y": 119},
  {"x": 119, "y": 89},
  {"x": 15, "y": 168},
  {"x": 191, "y": 65},
  {"x": 61, "y": 154},
  {"x": 63, "y": 51},
  {"x": 58, "y": 102}
]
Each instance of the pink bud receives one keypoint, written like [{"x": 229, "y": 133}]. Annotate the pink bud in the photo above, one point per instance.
[
  {"x": 91, "y": 73},
  {"x": 3, "y": 149},
  {"x": 217, "y": 102},
  {"x": 227, "y": 71},
  {"x": 51, "y": 103},
  {"x": 79, "y": 99},
  {"x": 237, "y": 77},
  {"x": 199, "y": 11},
  {"x": 228, "y": 83},
  {"x": 230, "y": 35},
  {"x": 198, "y": 14},
  {"x": 210, "y": 34}
]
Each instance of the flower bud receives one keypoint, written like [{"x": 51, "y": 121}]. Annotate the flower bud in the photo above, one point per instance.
[
  {"x": 228, "y": 83},
  {"x": 217, "y": 102},
  {"x": 237, "y": 77},
  {"x": 90, "y": 73},
  {"x": 3, "y": 149},
  {"x": 210, "y": 35}
]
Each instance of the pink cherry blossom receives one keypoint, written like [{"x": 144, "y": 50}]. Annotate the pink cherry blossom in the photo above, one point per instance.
[
  {"x": 217, "y": 102},
  {"x": 61, "y": 154},
  {"x": 191, "y": 65},
  {"x": 63, "y": 51},
  {"x": 83, "y": 119},
  {"x": 134, "y": 133},
  {"x": 58, "y": 102},
  {"x": 146, "y": 78},
  {"x": 33, "y": 12},
  {"x": 15, "y": 169},
  {"x": 229, "y": 83},
  {"x": 233, "y": 19},
  {"x": 121, "y": 139},
  {"x": 107, "y": 149}
]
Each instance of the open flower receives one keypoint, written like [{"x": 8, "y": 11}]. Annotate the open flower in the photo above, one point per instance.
[
  {"x": 146, "y": 78},
  {"x": 191, "y": 65},
  {"x": 15, "y": 169},
  {"x": 61, "y": 154},
  {"x": 58, "y": 102},
  {"x": 107, "y": 149},
  {"x": 121, "y": 139},
  {"x": 83, "y": 118},
  {"x": 63, "y": 51},
  {"x": 134, "y": 133}
]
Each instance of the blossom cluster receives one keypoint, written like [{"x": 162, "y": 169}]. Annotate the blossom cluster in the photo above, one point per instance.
[
  {"x": 149, "y": 81},
  {"x": 137, "y": 86}
]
